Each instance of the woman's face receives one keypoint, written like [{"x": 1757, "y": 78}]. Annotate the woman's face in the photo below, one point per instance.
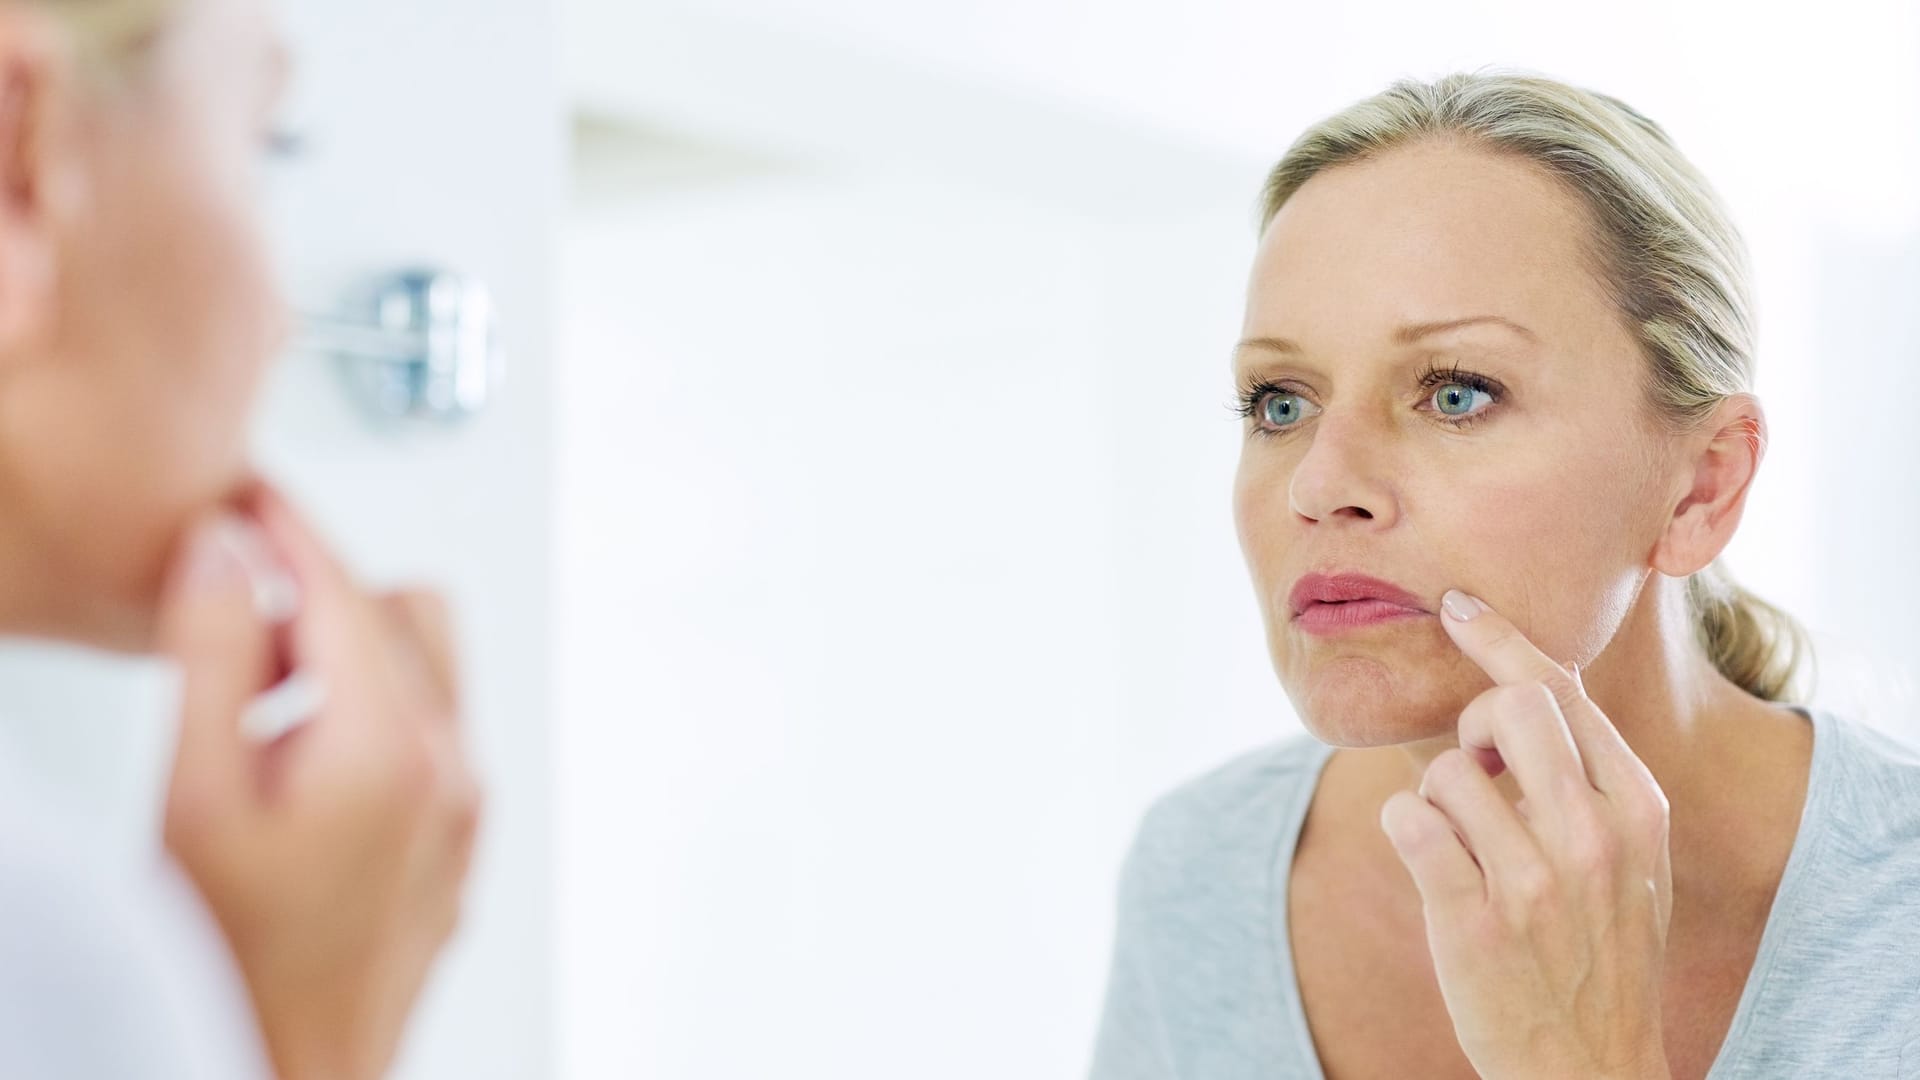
[
  {"x": 1547, "y": 503},
  {"x": 125, "y": 381}
]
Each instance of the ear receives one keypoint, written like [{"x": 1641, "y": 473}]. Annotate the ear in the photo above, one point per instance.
[
  {"x": 37, "y": 173},
  {"x": 1720, "y": 465}
]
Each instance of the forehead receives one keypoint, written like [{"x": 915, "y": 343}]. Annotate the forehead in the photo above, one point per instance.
[{"x": 1426, "y": 231}]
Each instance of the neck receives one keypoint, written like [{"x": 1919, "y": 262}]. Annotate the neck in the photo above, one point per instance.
[{"x": 44, "y": 594}]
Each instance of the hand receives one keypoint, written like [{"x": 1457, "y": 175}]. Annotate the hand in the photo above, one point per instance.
[
  {"x": 1547, "y": 918},
  {"x": 333, "y": 857}
]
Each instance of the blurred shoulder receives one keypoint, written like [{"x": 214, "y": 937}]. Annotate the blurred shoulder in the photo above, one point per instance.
[
  {"x": 1225, "y": 823},
  {"x": 105, "y": 973}
]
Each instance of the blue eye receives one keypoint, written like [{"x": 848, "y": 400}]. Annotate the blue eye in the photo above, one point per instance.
[
  {"x": 1460, "y": 397},
  {"x": 1456, "y": 399},
  {"x": 1272, "y": 407},
  {"x": 1456, "y": 395},
  {"x": 1281, "y": 410}
]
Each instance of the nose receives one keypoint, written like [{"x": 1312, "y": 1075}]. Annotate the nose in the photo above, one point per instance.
[{"x": 1347, "y": 471}]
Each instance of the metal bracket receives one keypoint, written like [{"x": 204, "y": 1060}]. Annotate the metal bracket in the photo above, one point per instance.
[{"x": 418, "y": 344}]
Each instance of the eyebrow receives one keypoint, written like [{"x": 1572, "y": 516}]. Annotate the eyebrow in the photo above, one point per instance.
[{"x": 1406, "y": 335}]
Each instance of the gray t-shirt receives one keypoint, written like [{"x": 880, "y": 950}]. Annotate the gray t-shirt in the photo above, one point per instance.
[{"x": 1202, "y": 985}]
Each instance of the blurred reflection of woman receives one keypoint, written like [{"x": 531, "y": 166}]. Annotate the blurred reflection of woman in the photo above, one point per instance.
[
  {"x": 1498, "y": 339},
  {"x": 322, "y": 869}
]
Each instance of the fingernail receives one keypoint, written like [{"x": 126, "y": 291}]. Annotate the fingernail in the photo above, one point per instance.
[
  {"x": 297, "y": 699},
  {"x": 213, "y": 556},
  {"x": 1461, "y": 606},
  {"x": 276, "y": 597}
]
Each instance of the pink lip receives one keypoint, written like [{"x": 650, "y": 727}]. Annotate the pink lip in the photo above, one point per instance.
[{"x": 1330, "y": 603}]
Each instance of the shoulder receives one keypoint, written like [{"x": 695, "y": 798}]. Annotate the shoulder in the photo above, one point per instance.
[
  {"x": 1196, "y": 924},
  {"x": 1217, "y": 828},
  {"x": 1251, "y": 783},
  {"x": 1841, "y": 927},
  {"x": 1856, "y": 899},
  {"x": 77, "y": 991},
  {"x": 1872, "y": 787},
  {"x": 98, "y": 976}
]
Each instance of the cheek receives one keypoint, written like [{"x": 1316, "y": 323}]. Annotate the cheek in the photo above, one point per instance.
[
  {"x": 1260, "y": 510},
  {"x": 217, "y": 310},
  {"x": 1242, "y": 508},
  {"x": 1559, "y": 552},
  {"x": 168, "y": 322}
]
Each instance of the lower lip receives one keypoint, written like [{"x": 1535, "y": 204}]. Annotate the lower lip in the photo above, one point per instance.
[{"x": 1334, "y": 618}]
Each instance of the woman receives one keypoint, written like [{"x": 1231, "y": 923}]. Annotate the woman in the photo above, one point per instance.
[
  {"x": 136, "y": 319},
  {"x": 1498, "y": 362}
]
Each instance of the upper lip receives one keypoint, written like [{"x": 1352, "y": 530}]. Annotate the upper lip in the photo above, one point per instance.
[{"x": 1319, "y": 587}]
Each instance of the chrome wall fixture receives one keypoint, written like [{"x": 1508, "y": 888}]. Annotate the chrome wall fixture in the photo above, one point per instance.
[{"x": 417, "y": 344}]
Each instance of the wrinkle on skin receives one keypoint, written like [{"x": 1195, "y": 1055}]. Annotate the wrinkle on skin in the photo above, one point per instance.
[{"x": 1561, "y": 508}]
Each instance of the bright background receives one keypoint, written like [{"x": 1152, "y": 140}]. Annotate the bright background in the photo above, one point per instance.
[
  {"x": 848, "y": 560},
  {"x": 895, "y": 572}
]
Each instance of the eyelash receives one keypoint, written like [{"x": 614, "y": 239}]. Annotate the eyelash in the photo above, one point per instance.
[{"x": 1433, "y": 377}]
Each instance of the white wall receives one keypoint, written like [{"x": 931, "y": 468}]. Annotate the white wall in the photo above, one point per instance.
[
  {"x": 421, "y": 152},
  {"x": 865, "y": 593},
  {"x": 895, "y": 564}
]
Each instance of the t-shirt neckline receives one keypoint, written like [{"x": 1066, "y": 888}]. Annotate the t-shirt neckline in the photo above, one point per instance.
[{"x": 1786, "y": 900}]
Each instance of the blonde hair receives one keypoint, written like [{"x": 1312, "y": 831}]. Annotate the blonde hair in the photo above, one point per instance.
[
  {"x": 1662, "y": 245},
  {"x": 107, "y": 34}
]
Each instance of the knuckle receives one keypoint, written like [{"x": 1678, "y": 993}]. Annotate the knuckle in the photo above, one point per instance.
[
  {"x": 1560, "y": 687},
  {"x": 1481, "y": 713},
  {"x": 414, "y": 771},
  {"x": 1647, "y": 815},
  {"x": 1517, "y": 699},
  {"x": 1449, "y": 768},
  {"x": 1571, "y": 792},
  {"x": 1529, "y": 886},
  {"x": 1540, "y": 695},
  {"x": 430, "y": 605},
  {"x": 1411, "y": 817}
]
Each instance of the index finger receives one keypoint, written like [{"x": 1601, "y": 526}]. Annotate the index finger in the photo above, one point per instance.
[
  {"x": 333, "y": 611},
  {"x": 421, "y": 617},
  {"x": 323, "y": 578},
  {"x": 1490, "y": 640}
]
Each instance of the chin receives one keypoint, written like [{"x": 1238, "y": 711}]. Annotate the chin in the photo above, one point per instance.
[{"x": 1362, "y": 704}]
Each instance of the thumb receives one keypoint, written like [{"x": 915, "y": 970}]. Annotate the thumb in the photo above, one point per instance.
[{"x": 210, "y": 627}]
